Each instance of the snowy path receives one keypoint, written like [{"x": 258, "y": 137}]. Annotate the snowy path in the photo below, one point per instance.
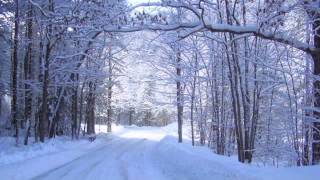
[
  {"x": 134, "y": 154},
  {"x": 119, "y": 160}
]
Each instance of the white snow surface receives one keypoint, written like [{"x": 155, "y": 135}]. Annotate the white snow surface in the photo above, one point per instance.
[{"x": 132, "y": 153}]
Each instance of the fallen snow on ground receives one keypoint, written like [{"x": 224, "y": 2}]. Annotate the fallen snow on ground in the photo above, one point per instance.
[
  {"x": 10, "y": 153},
  {"x": 134, "y": 153}
]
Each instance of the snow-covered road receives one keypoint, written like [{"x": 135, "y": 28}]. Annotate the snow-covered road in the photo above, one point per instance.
[
  {"x": 133, "y": 153},
  {"x": 112, "y": 161}
]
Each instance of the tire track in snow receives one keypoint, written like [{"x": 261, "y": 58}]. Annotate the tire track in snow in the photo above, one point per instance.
[
  {"x": 113, "y": 167},
  {"x": 93, "y": 162},
  {"x": 67, "y": 167}
]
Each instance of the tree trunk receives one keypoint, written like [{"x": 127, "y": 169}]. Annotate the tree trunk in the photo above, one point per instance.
[
  {"x": 27, "y": 73},
  {"x": 0, "y": 103},
  {"x": 90, "y": 116},
  {"x": 193, "y": 90},
  {"x": 80, "y": 109},
  {"x": 57, "y": 112},
  {"x": 316, "y": 87},
  {"x": 109, "y": 110},
  {"x": 179, "y": 97},
  {"x": 233, "y": 78},
  {"x": 74, "y": 103},
  {"x": 223, "y": 111},
  {"x": 44, "y": 119},
  {"x": 130, "y": 116},
  {"x": 15, "y": 72},
  {"x": 316, "y": 125}
]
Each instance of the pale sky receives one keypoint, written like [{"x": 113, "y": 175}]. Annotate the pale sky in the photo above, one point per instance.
[{"x": 134, "y": 2}]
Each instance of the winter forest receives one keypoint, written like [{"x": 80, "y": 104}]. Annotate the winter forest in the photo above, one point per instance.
[{"x": 160, "y": 89}]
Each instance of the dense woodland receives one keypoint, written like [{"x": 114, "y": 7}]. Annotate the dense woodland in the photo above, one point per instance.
[{"x": 243, "y": 74}]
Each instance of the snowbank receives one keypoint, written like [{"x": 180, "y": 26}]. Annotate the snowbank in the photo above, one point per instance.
[
  {"x": 25, "y": 162},
  {"x": 193, "y": 162},
  {"x": 200, "y": 163}
]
